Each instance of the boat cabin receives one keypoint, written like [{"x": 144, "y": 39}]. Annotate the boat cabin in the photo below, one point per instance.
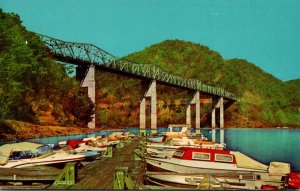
[{"x": 201, "y": 154}]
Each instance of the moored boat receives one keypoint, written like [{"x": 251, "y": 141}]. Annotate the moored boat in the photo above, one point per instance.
[
  {"x": 168, "y": 148},
  {"x": 119, "y": 136},
  {"x": 245, "y": 181},
  {"x": 176, "y": 131},
  {"x": 205, "y": 161},
  {"x": 84, "y": 146},
  {"x": 53, "y": 158},
  {"x": 25, "y": 154}
]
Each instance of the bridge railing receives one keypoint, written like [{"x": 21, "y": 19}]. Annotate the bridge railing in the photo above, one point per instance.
[{"x": 92, "y": 54}]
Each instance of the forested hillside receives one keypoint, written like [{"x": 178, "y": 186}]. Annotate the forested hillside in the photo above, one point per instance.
[
  {"x": 264, "y": 101},
  {"x": 33, "y": 87}
]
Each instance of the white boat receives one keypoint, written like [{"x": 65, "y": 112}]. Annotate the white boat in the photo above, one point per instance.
[
  {"x": 30, "y": 155},
  {"x": 118, "y": 136},
  {"x": 185, "y": 131},
  {"x": 205, "y": 161},
  {"x": 83, "y": 146},
  {"x": 53, "y": 158},
  {"x": 95, "y": 141}
]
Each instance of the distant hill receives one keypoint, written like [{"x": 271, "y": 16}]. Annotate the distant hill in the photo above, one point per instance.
[
  {"x": 294, "y": 92},
  {"x": 265, "y": 101},
  {"x": 294, "y": 83}
]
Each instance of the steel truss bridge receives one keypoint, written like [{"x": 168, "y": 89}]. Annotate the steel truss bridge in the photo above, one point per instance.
[{"x": 91, "y": 54}]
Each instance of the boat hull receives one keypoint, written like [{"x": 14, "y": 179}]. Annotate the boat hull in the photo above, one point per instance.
[
  {"x": 228, "y": 181},
  {"x": 182, "y": 166},
  {"x": 57, "y": 158}
]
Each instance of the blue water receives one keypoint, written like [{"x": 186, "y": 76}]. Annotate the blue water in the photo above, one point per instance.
[{"x": 264, "y": 145}]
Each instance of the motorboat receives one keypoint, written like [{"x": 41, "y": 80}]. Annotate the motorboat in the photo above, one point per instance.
[
  {"x": 169, "y": 147},
  {"x": 101, "y": 141},
  {"x": 50, "y": 158},
  {"x": 205, "y": 161},
  {"x": 118, "y": 136},
  {"x": 244, "y": 181},
  {"x": 176, "y": 131},
  {"x": 84, "y": 146},
  {"x": 92, "y": 141},
  {"x": 26, "y": 154}
]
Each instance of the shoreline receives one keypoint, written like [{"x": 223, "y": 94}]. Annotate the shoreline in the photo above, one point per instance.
[{"x": 20, "y": 131}]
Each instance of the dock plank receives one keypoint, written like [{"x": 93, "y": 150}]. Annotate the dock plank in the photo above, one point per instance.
[{"x": 99, "y": 174}]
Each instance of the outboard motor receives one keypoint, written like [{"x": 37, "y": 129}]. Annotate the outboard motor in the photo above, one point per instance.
[{"x": 294, "y": 180}]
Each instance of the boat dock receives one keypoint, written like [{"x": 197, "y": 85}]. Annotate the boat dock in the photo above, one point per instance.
[{"x": 101, "y": 173}]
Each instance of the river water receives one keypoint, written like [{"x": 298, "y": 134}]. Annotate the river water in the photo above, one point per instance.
[{"x": 264, "y": 145}]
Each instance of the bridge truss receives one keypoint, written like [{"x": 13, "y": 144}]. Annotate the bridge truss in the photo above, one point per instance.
[{"x": 91, "y": 54}]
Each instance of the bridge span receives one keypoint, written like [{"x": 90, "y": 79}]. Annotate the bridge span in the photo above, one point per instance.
[{"x": 89, "y": 57}]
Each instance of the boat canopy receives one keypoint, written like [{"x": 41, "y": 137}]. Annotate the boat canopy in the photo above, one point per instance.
[
  {"x": 7, "y": 149},
  {"x": 243, "y": 161}
]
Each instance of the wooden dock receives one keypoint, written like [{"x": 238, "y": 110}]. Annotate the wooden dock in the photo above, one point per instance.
[{"x": 99, "y": 174}]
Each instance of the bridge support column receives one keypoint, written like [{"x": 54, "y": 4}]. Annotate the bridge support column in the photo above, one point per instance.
[
  {"x": 221, "y": 120},
  {"x": 219, "y": 105},
  {"x": 143, "y": 116},
  {"x": 213, "y": 125},
  {"x": 188, "y": 114},
  {"x": 150, "y": 92},
  {"x": 90, "y": 82},
  {"x": 153, "y": 107},
  {"x": 195, "y": 100}
]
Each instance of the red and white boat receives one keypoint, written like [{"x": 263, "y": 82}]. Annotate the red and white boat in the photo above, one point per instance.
[
  {"x": 84, "y": 146},
  {"x": 167, "y": 149},
  {"x": 206, "y": 161}
]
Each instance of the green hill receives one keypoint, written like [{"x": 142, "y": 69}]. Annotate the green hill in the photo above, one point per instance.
[
  {"x": 295, "y": 84},
  {"x": 265, "y": 101},
  {"x": 294, "y": 92},
  {"x": 33, "y": 87}
]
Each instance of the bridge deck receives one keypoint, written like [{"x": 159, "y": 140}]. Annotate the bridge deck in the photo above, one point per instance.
[
  {"x": 99, "y": 174},
  {"x": 88, "y": 54}
]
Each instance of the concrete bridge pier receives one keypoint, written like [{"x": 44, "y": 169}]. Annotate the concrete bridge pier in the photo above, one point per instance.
[
  {"x": 143, "y": 116},
  {"x": 221, "y": 120},
  {"x": 90, "y": 82},
  {"x": 150, "y": 92},
  {"x": 195, "y": 100},
  {"x": 220, "y": 105},
  {"x": 213, "y": 125}
]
